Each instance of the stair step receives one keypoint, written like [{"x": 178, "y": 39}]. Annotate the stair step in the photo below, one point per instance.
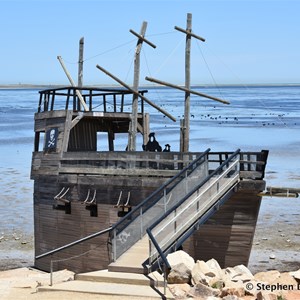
[
  {"x": 126, "y": 269},
  {"x": 133, "y": 259},
  {"x": 104, "y": 288},
  {"x": 153, "y": 279}
]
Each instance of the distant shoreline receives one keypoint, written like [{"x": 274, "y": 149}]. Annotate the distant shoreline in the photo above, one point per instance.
[{"x": 54, "y": 86}]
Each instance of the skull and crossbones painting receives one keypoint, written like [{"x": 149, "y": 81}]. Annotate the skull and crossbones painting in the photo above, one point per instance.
[{"x": 51, "y": 139}]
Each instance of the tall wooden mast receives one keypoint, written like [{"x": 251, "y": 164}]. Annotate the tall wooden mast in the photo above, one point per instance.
[
  {"x": 133, "y": 123},
  {"x": 185, "y": 123},
  {"x": 80, "y": 62},
  {"x": 186, "y": 131}
]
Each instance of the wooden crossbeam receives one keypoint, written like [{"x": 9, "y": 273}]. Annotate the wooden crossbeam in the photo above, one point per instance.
[
  {"x": 142, "y": 38},
  {"x": 136, "y": 93},
  {"x": 186, "y": 90},
  {"x": 273, "y": 189},
  {"x": 190, "y": 33}
]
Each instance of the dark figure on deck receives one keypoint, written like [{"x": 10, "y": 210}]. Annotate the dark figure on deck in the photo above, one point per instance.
[
  {"x": 167, "y": 148},
  {"x": 152, "y": 144}
]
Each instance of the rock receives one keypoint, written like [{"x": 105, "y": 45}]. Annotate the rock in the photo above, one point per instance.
[
  {"x": 213, "y": 264},
  {"x": 266, "y": 296},
  {"x": 272, "y": 256},
  {"x": 287, "y": 279},
  {"x": 179, "y": 274},
  {"x": 231, "y": 291},
  {"x": 180, "y": 256},
  {"x": 295, "y": 274},
  {"x": 201, "y": 290},
  {"x": 231, "y": 272},
  {"x": 242, "y": 278},
  {"x": 179, "y": 290},
  {"x": 204, "y": 268},
  {"x": 214, "y": 269},
  {"x": 292, "y": 295},
  {"x": 233, "y": 284},
  {"x": 251, "y": 287},
  {"x": 239, "y": 274},
  {"x": 217, "y": 283},
  {"x": 268, "y": 277},
  {"x": 181, "y": 267},
  {"x": 197, "y": 275},
  {"x": 241, "y": 269},
  {"x": 231, "y": 297}
]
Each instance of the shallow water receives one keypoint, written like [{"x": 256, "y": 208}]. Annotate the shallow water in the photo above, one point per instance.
[{"x": 257, "y": 118}]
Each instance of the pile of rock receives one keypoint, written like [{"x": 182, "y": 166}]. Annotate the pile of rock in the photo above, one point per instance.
[{"x": 206, "y": 280}]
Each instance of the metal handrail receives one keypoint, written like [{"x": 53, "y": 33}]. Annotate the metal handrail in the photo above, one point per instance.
[
  {"x": 156, "y": 192},
  {"x": 216, "y": 171},
  {"x": 150, "y": 228},
  {"x": 74, "y": 243}
]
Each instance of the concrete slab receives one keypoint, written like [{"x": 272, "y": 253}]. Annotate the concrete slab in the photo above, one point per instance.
[
  {"x": 153, "y": 279},
  {"x": 103, "y": 288}
]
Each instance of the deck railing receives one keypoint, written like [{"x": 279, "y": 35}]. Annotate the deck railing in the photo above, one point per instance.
[
  {"x": 96, "y": 99},
  {"x": 109, "y": 163}
]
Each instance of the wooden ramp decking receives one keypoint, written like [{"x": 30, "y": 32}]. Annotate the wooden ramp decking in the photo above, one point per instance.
[{"x": 133, "y": 259}]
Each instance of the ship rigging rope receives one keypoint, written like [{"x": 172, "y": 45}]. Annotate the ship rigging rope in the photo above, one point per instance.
[
  {"x": 117, "y": 47},
  {"x": 241, "y": 83},
  {"x": 169, "y": 56},
  {"x": 79, "y": 255},
  {"x": 163, "y": 63},
  {"x": 209, "y": 70}
]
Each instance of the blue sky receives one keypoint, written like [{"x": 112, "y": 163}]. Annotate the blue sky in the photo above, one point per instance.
[{"x": 246, "y": 41}]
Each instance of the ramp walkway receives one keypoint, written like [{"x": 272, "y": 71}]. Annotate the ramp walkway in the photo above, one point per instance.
[{"x": 163, "y": 221}]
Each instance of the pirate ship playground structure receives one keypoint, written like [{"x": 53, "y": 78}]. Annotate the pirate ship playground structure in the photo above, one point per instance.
[{"x": 126, "y": 210}]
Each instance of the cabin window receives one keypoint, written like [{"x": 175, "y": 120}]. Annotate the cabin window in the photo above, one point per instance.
[
  {"x": 102, "y": 141},
  {"x": 39, "y": 141}
]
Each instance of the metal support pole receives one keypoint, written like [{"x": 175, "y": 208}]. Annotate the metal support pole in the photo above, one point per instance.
[
  {"x": 165, "y": 199},
  {"x": 141, "y": 216},
  {"x": 51, "y": 272},
  {"x": 115, "y": 246},
  {"x": 165, "y": 279}
]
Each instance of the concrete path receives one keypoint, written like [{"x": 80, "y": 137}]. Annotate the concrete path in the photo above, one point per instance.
[{"x": 114, "y": 283}]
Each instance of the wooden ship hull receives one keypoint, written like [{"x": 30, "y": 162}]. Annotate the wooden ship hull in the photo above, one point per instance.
[{"x": 79, "y": 191}]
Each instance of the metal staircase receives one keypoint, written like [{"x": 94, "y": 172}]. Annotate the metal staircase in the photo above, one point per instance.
[{"x": 163, "y": 221}]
